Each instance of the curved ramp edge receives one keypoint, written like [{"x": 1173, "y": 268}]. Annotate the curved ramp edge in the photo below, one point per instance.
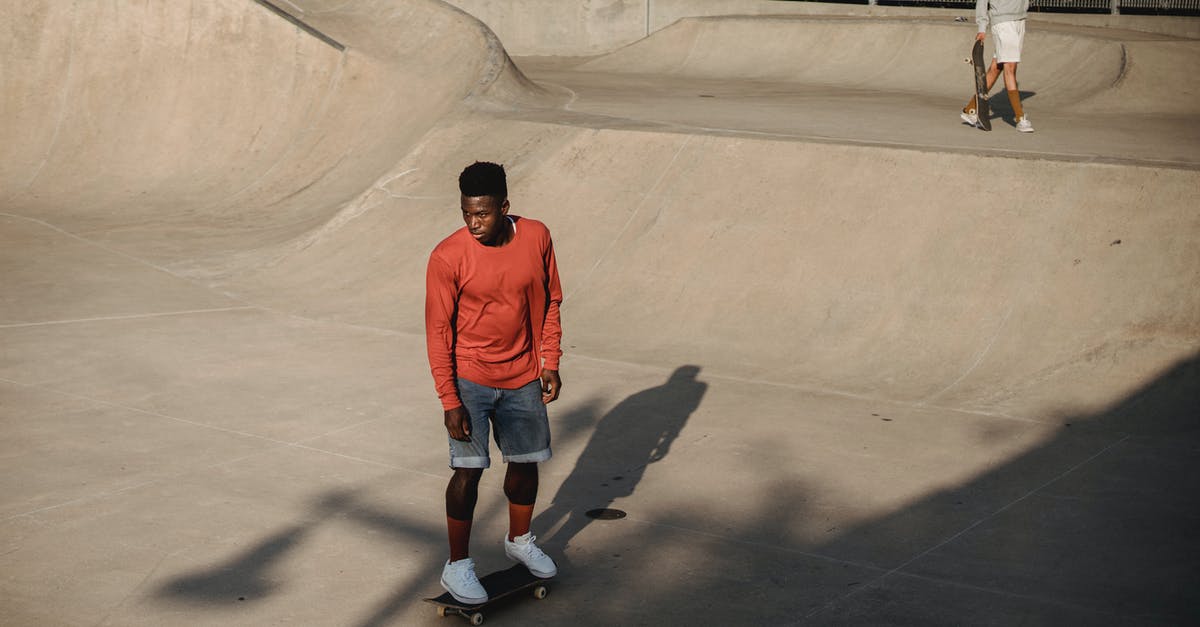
[{"x": 222, "y": 118}]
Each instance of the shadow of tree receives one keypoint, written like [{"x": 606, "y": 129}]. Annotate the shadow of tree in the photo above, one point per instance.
[
  {"x": 637, "y": 432},
  {"x": 1098, "y": 525},
  {"x": 245, "y": 577}
]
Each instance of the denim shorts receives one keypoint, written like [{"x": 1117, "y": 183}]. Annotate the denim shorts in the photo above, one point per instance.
[{"x": 522, "y": 430}]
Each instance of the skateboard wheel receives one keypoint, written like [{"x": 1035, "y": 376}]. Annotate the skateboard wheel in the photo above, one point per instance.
[
  {"x": 477, "y": 618},
  {"x": 441, "y": 611},
  {"x": 540, "y": 592}
]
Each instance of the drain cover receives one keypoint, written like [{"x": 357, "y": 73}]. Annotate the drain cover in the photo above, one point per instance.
[{"x": 605, "y": 514}]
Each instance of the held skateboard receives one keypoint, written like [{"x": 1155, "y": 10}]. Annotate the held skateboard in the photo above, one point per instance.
[
  {"x": 982, "y": 109},
  {"x": 499, "y": 584}
]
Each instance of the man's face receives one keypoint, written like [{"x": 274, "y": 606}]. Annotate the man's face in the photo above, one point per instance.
[{"x": 484, "y": 217}]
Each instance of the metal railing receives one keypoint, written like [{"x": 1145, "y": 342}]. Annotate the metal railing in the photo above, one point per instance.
[
  {"x": 273, "y": 8},
  {"x": 1123, "y": 7}
]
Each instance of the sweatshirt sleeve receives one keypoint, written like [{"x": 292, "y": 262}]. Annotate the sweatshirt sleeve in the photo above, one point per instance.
[
  {"x": 981, "y": 15},
  {"x": 440, "y": 303},
  {"x": 551, "y": 348}
]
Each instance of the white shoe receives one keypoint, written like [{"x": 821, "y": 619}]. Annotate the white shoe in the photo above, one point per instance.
[
  {"x": 523, "y": 550},
  {"x": 1024, "y": 125},
  {"x": 970, "y": 117},
  {"x": 458, "y": 578}
]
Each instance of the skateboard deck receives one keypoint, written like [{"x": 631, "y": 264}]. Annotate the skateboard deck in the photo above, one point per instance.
[
  {"x": 499, "y": 585},
  {"x": 982, "y": 108}
]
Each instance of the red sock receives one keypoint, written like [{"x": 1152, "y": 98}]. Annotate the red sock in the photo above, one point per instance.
[
  {"x": 519, "y": 518},
  {"x": 460, "y": 538}
]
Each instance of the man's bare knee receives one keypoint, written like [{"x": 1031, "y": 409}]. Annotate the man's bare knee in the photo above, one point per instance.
[
  {"x": 462, "y": 492},
  {"x": 521, "y": 483}
]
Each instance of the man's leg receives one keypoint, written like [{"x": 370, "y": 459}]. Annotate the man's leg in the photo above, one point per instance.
[
  {"x": 523, "y": 433},
  {"x": 520, "y": 486},
  {"x": 993, "y": 72},
  {"x": 468, "y": 459},
  {"x": 461, "y": 495},
  {"x": 1010, "y": 84},
  {"x": 458, "y": 576},
  {"x": 1010, "y": 38},
  {"x": 1010, "y": 76}
]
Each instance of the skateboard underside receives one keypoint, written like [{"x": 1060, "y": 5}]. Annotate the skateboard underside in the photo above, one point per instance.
[{"x": 982, "y": 108}]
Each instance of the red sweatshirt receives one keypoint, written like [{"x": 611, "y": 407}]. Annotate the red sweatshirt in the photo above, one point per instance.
[{"x": 491, "y": 312}]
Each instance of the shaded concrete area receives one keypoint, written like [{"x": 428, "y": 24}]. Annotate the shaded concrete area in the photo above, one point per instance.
[
  {"x": 145, "y": 496},
  {"x": 842, "y": 360}
]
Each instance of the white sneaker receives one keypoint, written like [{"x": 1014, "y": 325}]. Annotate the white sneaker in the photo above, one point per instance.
[
  {"x": 523, "y": 550},
  {"x": 1024, "y": 125},
  {"x": 970, "y": 117},
  {"x": 458, "y": 578}
]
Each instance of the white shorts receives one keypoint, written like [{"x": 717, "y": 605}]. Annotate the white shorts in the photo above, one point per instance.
[{"x": 1009, "y": 38}]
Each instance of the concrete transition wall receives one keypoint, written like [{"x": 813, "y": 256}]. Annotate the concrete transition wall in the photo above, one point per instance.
[
  {"x": 219, "y": 112},
  {"x": 866, "y": 271},
  {"x": 225, "y": 144}
]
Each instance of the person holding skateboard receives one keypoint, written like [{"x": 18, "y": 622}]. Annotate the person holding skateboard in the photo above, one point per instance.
[
  {"x": 1007, "y": 19},
  {"x": 493, "y": 335}
]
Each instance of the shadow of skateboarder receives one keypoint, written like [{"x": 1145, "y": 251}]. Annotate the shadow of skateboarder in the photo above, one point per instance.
[{"x": 634, "y": 434}]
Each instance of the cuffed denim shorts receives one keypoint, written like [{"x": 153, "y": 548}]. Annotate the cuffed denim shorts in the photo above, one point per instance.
[{"x": 518, "y": 416}]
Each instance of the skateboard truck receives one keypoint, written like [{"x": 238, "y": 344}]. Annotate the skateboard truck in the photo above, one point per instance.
[
  {"x": 475, "y": 616},
  {"x": 499, "y": 585}
]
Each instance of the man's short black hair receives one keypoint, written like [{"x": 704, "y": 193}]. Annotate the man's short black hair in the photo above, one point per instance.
[{"x": 484, "y": 178}]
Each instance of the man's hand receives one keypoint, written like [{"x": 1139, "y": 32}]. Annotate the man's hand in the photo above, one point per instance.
[
  {"x": 551, "y": 386},
  {"x": 981, "y": 36},
  {"x": 458, "y": 424}
]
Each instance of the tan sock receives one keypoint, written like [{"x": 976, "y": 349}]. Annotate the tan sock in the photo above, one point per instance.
[
  {"x": 1014, "y": 98},
  {"x": 970, "y": 106}
]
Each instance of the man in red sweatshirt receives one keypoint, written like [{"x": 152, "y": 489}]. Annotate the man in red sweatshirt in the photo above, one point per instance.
[{"x": 493, "y": 333}]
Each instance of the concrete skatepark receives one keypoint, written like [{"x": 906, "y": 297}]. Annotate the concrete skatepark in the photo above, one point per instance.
[{"x": 843, "y": 360}]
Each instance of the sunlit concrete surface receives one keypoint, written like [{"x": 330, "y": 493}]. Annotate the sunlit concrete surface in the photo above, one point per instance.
[{"x": 842, "y": 359}]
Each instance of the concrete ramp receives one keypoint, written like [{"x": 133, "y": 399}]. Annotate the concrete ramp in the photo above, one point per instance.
[
  {"x": 883, "y": 273},
  {"x": 841, "y": 359},
  {"x": 221, "y": 117}
]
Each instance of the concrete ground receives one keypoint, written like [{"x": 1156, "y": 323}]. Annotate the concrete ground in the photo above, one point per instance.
[{"x": 841, "y": 359}]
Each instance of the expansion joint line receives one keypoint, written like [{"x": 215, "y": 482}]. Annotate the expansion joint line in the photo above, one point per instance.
[
  {"x": 629, "y": 222},
  {"x": 114, "y": 251},
  {"x": 138, "y": 316},
  {"x": 275, "y": 443},
  {"x": 898, "y": 570},
  {"x": 979, "y": 357}
]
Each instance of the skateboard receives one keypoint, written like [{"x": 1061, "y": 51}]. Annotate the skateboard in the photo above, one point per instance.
[
  {"x": 499, "y": 585},
  {"x": 982, "y": 109}
]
